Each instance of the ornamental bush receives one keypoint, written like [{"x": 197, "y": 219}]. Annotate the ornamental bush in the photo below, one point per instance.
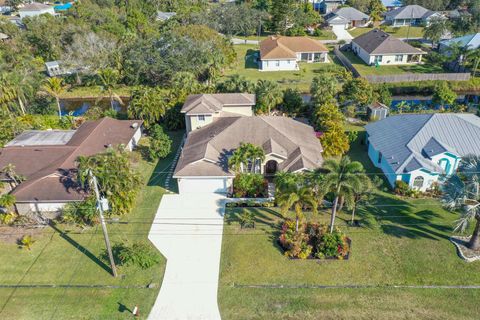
[
  {"x": 312, "y": 241},
  {"x": 249, "y": 185},
  {"x": 138, "y": 254}
]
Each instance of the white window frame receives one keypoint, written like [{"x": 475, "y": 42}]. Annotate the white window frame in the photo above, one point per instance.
[
  {"x": 398, "y": 57},
  {"x": 201, "y": 118}
]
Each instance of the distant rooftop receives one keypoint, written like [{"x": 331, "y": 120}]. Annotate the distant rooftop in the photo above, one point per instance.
[{"x": 42, "y": 138}]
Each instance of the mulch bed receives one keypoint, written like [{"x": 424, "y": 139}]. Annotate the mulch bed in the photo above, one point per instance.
[{"x": 464, "y": 252}]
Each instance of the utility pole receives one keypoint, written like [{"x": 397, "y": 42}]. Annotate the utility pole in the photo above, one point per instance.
[{"x": 102, "y": 222}]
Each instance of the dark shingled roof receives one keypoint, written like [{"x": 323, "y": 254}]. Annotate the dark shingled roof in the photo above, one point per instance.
[
  {"x": 380, "y": 42},
  {"x": 48, "y": 168}
]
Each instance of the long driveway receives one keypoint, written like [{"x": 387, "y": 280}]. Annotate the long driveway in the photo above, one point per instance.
[{"x": 188, "y": 231}]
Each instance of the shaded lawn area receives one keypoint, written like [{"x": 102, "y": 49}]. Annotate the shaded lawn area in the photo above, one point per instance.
[
  {"x": 67, "y": 255},
  {"x": 365, "y": 69},
  {"x": 400, "y": 242},
  {"x": 300, "y": 79},
  {"x": 399, "y": 32}
]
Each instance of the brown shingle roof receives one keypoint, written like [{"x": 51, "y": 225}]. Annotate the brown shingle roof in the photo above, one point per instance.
[
  {"x": 34, "y": 6},
  {"x": 211, "y": 103},
  {"x": 380, "y": 42},
  {"x": 47, "y": 168},
  {"x": 277, "y": 47},
  {"x": 206, "y": 149}
]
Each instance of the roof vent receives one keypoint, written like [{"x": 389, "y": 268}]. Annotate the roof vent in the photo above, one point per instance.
[{"x": 134, "y": 125}]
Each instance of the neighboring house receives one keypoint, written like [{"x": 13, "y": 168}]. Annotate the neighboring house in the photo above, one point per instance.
[
  {"x": 377, "y": 111},
  {"x": 4, "y": 8},
  {"x": 420, "y": 149},
  {"x": 164, "y": 16},
  {"x": 202, "y": 109},
  {"x": 327, "y": 6},
  {"x": 278, "y": 53},
  {"x": 4, "y": 37},
  {"x": 289, "y": 145},
  {"x": 347, "y": 17},
  {"x": 35, "y": 9},
  {"x": 54, "y": 69},
  {"x": 412, "y": 15},
  {"x": 47, "y": 161},
  {"x": 379, "y": 48},
  {"x": 392, "y": 4},
  {"x": 467, "y": 42}
]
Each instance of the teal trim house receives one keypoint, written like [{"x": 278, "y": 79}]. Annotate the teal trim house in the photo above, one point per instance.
[{"x": 421, "y": 149}]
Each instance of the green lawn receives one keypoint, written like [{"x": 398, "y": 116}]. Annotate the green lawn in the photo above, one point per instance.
[
  {"x": 69, "y": 256},
  {"x": 401, "y": 242},
  {"x": 399, "y": 32},
  {"x": 365, "y": 69},
  {"x": 301, "y": 79}
]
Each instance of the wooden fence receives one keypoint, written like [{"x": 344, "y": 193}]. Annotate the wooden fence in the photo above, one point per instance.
[{"x": 346, "y": 62}]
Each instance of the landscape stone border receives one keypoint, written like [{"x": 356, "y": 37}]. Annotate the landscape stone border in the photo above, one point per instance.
[{"x": 464, "y": 252}]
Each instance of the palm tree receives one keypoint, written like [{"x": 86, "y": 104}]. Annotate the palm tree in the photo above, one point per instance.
[
  {"x": 246, "y": 154},
  {"x": 7, "y": 94},
  {"x": 343, "y": 177},
  {"x": 473, "y": 57},
  {"x": 9, "y": 172},
  {"x": 462, "y": 191},
  {"x": 54, "y": 87},
  {"x": 109, "y": 78},
  {"x": 436, "y": 29},
  {"x": 360, "y": 193},
  {"x": 285, "y": 181},
  {"x": 297, "y": 197},
  {"x": 269, "y": 95}
]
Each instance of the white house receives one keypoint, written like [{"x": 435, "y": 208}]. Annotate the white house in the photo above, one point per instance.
[
  {"x": 420, "y": 149},
  {"x": 47, "y": 159},
  {"x": 278, "y": 53},
  {"x": 411, "y": 15},
  {"x": 327, "y": 6},
  {"x": 346, "y": 18},
  {"x": 289, "y": 145},
  {"x": 379, "y": 48},
  {"x": 35, "y": 9}
]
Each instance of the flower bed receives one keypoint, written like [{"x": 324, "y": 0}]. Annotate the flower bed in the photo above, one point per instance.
[
  {"x": 313, "y": 241},
  {"x": 251, "y": 203}
]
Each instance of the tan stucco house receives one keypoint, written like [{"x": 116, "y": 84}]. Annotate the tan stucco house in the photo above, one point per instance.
[{"x": 289, "y": 145}]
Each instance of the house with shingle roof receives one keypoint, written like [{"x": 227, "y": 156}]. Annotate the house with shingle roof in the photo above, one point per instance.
[
  {"x": 420, "y": 149},
  {"x": 467, "y": 42},
  {"x": 411, "y": 15},
  {"x": 47, "y": 160},
  {"x": 347, "y": 17},
  {"x": 279, "y": 53},
  {"x": 380, "y": 48},
  {"x": 289, "y": 145}
]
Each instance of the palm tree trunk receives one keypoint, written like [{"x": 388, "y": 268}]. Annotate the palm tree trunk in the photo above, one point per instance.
[
  {"x": 22, "y": 107},
  {"x": 353, "y": 213},
  {"x": 59, "y": 107},
  {"x": 474, "y": 242},
  {"x": 296, "y": 223},
  {"x": 111, "y": 102},
  {"x": 334, "y": 213},
  {"x": 341, "y": 203}
]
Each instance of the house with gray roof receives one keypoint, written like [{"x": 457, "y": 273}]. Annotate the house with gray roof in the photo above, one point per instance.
[
  {"x": 347, "y": 17},
  {"x": 411, "y": 15},
  {"x": 467, "y": 42},
  {"x": 289, "y": 145},
  {"x": 380, "y": 48},
  {"x": 420, "y": 149},
  {"x": 327, "y": 6}
]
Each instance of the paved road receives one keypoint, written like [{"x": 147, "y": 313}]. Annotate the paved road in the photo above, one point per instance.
[{"x": 188, "y": 231}]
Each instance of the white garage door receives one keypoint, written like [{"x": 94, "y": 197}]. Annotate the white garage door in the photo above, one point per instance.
[{"x": 219, "y": 185}]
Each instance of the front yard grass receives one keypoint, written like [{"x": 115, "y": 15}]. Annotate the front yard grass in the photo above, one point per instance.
[
  {"x": 399, "y": 32},
  {"x": 401, "y": 242},
  {"x": 300, "y": 79},
  {"x": 365, "y": 69},
  {"x": 67, "y": 255}
]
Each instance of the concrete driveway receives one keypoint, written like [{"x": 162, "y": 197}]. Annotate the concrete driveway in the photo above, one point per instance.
[{"x": 188, "y": 231}]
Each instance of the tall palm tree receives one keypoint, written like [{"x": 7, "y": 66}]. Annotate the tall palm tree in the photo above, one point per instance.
[
  {"x": 473, "y": 57},
  {"x": 110, "y": 78},
  {"x": 246, "y": 154},
  {"x": 297, "y": 197},
  {"x": 343, "y": 177},
  {"x": 7, "y": 94},
  {"x": 462, "y": 191},
  {"x": 54, "y": 87},
  {"x": 10, "y": 173},
  {"x": 269, "y": 95}
]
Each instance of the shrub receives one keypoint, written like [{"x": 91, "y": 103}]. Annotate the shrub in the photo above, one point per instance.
[
  {"x": 312, "y": 241},
  {"x": 8, "y": 218},
  {"x": 83, "y": 213},
  {"x": 249, "y": 185},
  {"x": 26, "y": 242},
  {"x": 247, "y": 219},
  {"x": 401, "y": 188},
  {"x": 138, "y": 254},
  {"x": 160, "y": 144}
]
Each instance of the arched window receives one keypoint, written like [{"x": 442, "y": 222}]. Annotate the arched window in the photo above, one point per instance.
[{"x": 418, "y": 182}]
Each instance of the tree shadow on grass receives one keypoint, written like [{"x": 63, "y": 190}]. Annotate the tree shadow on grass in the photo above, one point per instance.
[
  {"x": 398, "y": 218},
  {"x": 81, "y": 248}
]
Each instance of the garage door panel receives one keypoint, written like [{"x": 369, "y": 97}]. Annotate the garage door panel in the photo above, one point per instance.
[{"x": 203, "y": 185}]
